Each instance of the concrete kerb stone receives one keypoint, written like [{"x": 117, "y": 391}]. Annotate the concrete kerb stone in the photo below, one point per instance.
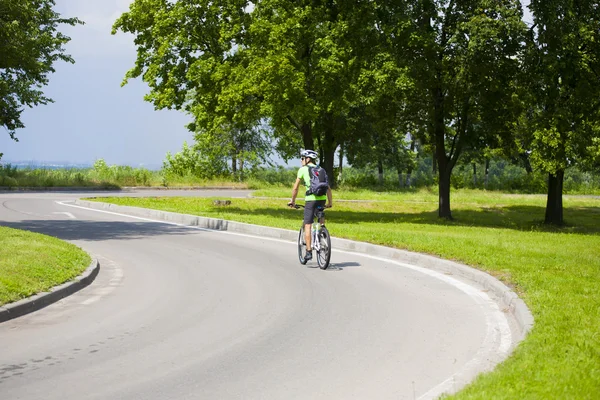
[
  {"x": 41, "y": 300},
  {"x": 507, "y": 300}
]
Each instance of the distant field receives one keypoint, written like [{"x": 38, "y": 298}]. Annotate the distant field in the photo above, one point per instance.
[{"x": 503, "y": 177}]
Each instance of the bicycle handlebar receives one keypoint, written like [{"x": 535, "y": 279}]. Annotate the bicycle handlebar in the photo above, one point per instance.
[{"x": 297, "y": 206}]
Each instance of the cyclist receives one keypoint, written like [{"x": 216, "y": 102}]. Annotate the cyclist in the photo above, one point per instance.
[{"x": 308, "y": 158}]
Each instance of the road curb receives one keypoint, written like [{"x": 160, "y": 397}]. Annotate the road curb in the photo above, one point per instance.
[
  {"x": 41, "y": 300},
  {"x": 507, "y": 300}
]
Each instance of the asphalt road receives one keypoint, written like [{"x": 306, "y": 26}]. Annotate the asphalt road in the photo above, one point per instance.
[{"x": 181, "y": 313}]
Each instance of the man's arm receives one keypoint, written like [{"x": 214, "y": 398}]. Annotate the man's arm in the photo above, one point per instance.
[
  {"x": 295, "y": 192},
  {"x": 329, "y": 198}
]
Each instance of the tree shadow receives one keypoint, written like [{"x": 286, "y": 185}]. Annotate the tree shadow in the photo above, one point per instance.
[
  {"x": 581, "y": 220},
  {"x": 98, "y": 230}
]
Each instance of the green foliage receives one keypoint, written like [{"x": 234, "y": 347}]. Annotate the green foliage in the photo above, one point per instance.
[
  {"x": 464, "y": 78},
  {"x": 503, "y": 176},
  {"x": 30, "y": 44},
  {"x": 100, "y": 176},
  {"x": 121, "y": 175},
  {"x": 562, "y": 66},
  {"x": 190, "y": 161},
  {"x": 462, "y": 59},
  {"x": 559, "y": 80},
  {"x": 278, "y": 176},
  {"x": 234, "y": 66}
]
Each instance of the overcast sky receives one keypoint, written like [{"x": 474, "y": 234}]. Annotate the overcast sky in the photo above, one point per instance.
[{"x": 93, "y": 116}]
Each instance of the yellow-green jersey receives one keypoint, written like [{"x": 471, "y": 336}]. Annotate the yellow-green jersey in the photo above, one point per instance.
[{"x": 304, "y": 175}]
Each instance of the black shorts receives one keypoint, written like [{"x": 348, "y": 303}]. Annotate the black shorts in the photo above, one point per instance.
[{"x": 310, "y": 207}]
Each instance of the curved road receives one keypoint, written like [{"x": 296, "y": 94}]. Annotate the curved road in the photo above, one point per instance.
[{"x": 180, "y": 313}]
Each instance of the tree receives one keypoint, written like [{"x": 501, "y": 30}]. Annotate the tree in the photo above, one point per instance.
[
  {"x": 193, "y": 161},
  {"x": 245, "y": 147},
  {"x": 461, "y": 56},
  {"x": 30, "y": 44},
  {"x": 293, "y": 64},
  {"x": 563, "y": 72}
]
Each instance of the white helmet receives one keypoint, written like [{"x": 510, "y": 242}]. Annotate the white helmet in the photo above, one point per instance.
[{"x": 309, "y": 154}]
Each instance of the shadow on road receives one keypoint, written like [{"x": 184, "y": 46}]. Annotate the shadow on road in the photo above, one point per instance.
[{"x": 99, "y": 230}]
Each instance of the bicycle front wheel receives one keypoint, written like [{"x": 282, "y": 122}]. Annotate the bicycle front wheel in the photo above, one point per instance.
[
  {"x": 324, "y": 253},
  {"x": 301, "y": 246}
]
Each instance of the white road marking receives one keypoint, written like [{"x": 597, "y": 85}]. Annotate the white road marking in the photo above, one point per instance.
[
  {"x": 497, "y": 341},
  {"x": 68, "y": 214}
]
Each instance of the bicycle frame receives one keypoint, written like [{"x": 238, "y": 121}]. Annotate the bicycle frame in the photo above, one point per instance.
[
  {"x": 319, "y": 233},
  {"x": 316, "y": 227}
]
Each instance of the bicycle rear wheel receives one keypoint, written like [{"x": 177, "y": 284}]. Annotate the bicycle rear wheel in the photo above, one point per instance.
[
  {"x": 324, "y": 253},
  {"x": 301, "y": 246}
]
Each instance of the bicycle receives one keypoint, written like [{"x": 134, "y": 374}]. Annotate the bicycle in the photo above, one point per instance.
[{"x": 320, "y": 238}]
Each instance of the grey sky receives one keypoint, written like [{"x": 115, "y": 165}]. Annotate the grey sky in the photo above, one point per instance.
[{"x": 93, "y": 116}]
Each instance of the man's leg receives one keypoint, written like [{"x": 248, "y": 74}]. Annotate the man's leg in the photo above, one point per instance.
[
  {"x": 307, "y": 236},
  {"x": 309, "y": 214},
  {"x": 321, "y": 203}
]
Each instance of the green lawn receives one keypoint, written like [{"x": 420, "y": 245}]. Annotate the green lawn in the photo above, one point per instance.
[
  {"x": 555, "y": 271},
  {"x": 31, "y": 263}
]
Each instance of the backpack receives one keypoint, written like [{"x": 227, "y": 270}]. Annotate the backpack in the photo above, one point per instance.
[{"x": 318, "y": 181}]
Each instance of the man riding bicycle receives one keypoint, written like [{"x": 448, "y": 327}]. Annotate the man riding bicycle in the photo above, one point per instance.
[{"x": 308, "y": 159}]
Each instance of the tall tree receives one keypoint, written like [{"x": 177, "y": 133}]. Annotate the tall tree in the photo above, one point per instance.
[
  {"x": 30, "y": 44},
  {"x": 462, "y": 56},
  {"x": 297, "y": 62},
  {"x": 563, "y": 72}
]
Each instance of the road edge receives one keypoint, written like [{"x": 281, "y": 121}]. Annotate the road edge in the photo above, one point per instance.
[{"x": 38, "y": 301}]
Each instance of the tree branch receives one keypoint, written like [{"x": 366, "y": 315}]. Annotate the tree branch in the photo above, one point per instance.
[{"x": 294, "y": 122}]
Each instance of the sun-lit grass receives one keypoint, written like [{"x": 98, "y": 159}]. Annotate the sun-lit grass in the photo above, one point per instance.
[
  {"x": 556, "y": 271},
  {"x": 31, "y": 263}
]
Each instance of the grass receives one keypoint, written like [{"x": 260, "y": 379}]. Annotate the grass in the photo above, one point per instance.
[
  {"x": 31, "y": 263},
  {"x": 555, "y": 271}
]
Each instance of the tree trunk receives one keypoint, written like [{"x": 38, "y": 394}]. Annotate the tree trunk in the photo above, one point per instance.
[
  {"x": 328, "y": 154},
  {"x": 400, "y": 180},
  {"x": 241, "y": 170},
  {"x": 380, "y": 172},
  {"x": 554, "y": 205},
  {"x": 307, "y": 137},
  {"x": 474, "y": 175},
  {"x": 410, "y": 168},
  {"x": 234, "y": 164},
  {"x": 444, "y": 164},
  {"x": 444, "y": 193},
  {"x": 487, "y": 173},
  {"x": 434, "y": 168},
  {"x": 526, "y": 162},
  {"x": 341, "y": 161}
]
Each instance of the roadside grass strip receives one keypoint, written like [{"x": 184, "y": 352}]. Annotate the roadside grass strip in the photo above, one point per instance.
[
  {"x": 556, "y": 271},
  {"x": 31, "y": 263}
]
